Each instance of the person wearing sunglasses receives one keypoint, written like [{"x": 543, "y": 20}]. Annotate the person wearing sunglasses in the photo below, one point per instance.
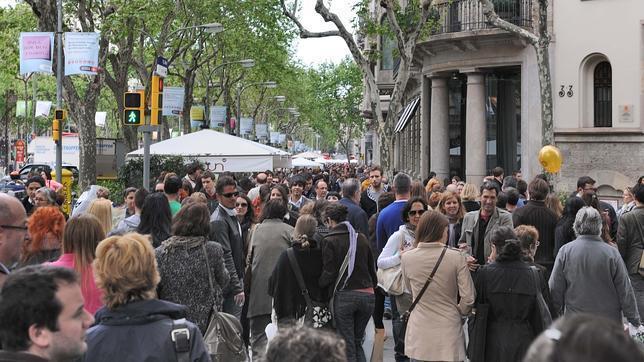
[
  {"x": 226, "y": 230},
  {"x": 13, "y": 230},
  {"x": 402, "y": 241}
]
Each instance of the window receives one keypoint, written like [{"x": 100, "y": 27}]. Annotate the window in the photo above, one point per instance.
[
  {"x": 603, "y": 95},
  {"x": 388, "y": 47}
]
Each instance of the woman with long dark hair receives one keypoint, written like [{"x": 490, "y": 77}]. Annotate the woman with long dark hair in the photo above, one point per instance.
[
  {"x": 564, "y": 232},
  {"x": 507, "y": 285},
  {"x": 156, "y": 218}
]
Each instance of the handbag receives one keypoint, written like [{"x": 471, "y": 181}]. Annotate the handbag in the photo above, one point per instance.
[
  {"x": 391, "y": 279},
  {"x": 477, "y": 324},
  {"x": 544, "y": 312},
  {"x": 317, "y": 313},
  {"x": 223, "y": 337}
]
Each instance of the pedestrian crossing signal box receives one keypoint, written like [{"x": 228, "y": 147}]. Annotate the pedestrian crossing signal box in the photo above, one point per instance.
[{"x": 134, "y": 104}]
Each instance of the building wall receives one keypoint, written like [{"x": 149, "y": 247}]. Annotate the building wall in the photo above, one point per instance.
[{"x": 614, "y": 29}]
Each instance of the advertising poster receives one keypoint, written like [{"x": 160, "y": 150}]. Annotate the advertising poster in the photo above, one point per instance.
[
  {"x": 36, "y": 52},
  {"x": 217, "y": 116},
  {"x": 173, "y": 101},
  {"x": 81, "y": 53},
  {"x": 245, "y": 126}
]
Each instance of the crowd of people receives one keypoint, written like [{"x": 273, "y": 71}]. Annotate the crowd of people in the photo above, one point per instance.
[{"x": 464, "y": 271}]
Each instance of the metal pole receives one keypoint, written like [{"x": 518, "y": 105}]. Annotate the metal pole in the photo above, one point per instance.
[
  {"x": 59, "y": 87},
  {"x": 238, "y": 105},
  {"x": 146, "y": 156}
]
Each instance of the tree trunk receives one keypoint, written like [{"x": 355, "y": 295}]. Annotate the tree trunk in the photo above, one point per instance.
[
  {"x": 188, "y": 86},
  {"x": 545, "y": 85}
]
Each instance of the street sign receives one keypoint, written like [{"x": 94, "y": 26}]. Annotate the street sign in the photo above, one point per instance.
[
  {"x": 162, "y": 67},
  {"x": 132, "y": 117}
]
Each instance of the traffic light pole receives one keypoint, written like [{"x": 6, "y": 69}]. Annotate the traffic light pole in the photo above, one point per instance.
[
  {"x": 147, "y": 139},
  {"x": 59, "y": 87}
]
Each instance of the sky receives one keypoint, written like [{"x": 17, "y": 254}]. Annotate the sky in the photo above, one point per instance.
[{"x": 315, "y": 51}]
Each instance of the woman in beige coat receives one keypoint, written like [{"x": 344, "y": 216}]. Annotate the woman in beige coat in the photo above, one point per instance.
[{"x": 435, "y": 329}]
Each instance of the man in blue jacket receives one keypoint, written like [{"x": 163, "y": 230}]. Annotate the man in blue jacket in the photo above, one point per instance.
[{"x": 351, "y": 199}]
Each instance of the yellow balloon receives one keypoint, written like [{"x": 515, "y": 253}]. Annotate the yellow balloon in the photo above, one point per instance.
[{"x": 550, "y": 158}]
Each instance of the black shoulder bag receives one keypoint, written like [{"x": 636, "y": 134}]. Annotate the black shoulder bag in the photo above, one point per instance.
[{"x": 317, "y": 314}]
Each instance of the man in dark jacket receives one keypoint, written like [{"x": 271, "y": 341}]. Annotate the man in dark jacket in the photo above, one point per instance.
[
  {"x": 536, "y": 213},
  {"x": 42, "y": 316},
  {"x": 351, "y": 199},
  {"x": 225, "y": 229},
  {"x": 369, "y": 197},
  {"x": 586, "y": 185},
  {"x": 32, "y": 185},
  {"x": 630, "y": 241}
]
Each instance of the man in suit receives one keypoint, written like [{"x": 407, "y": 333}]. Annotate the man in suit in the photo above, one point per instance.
[
  {"x": 630, "y": 241},
  {"x": 475, "y": 232},
  {"x": 225, "y": 229},
  {"x": 351, "y": 199}
]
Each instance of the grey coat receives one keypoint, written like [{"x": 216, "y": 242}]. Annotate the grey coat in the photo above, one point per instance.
[
  {"x": 630, "y": 239},
  {"x": 184, "y": 276},
  {"x": 269, "y": 240},
  {"x": 470, "y": 228},
  {"x": 589, "y": 276}
]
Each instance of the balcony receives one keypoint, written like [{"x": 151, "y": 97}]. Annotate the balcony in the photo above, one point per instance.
[{"x": 467, "y": 15}]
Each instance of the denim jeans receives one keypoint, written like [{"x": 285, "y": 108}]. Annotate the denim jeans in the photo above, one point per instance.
[{"x": 352, "y": 313}]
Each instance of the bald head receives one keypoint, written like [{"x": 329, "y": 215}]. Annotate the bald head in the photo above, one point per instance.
[{"x": 13, "y": 221}]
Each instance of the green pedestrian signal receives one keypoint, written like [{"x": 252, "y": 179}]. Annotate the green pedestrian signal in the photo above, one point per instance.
[{"x": 132, "y": 117}]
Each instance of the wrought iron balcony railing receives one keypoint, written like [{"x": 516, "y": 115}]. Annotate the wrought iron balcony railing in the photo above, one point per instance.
[{"x": 467, "y": 15}]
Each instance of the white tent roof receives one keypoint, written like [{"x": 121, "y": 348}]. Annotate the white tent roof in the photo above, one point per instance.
[
  {"x": 303, "y": 162},
  {"x": 221, "y": 152},
  {"x": 309, "y": 155}
]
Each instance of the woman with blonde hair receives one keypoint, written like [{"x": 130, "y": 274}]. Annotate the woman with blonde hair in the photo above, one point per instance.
[
  {"x": 451, "y": 206},
  {"x": 470, "y": 195},
  {"x": 553, "y": 203},
  {"x": 125, "y": 269},
  {"x": 45, "y": 228},
  {"x": 102, "y": 210},
  {"x": 283, "y": 285},
  {"x": 80, "y": 239},
  {"x": 438, "y": 314}
]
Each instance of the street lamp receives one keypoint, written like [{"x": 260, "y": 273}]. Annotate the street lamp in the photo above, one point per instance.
[{"x": 240, "y": 90}]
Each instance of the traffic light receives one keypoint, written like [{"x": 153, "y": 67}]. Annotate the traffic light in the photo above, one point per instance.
[
  {"x": 156, "y": 100},
  {"x": 134, "y": 104},
  {"x": 59, "y": 117}
]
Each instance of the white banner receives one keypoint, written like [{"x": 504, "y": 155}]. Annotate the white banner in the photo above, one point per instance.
[
  {"x": 282, "y": 138},
  {"x": 81, "y": 53},
  {"x": 261, "y": 131},
  {"x": 43, "y": 108},
  {"x": 275, "y": 137},
  {"x": 99, "y": 118},
  {"x": 36, "y": 52},
  {"x": 217, "y": 116},
  {"x": 245, "y": 126},
  {"x": 173, "y": 101}
]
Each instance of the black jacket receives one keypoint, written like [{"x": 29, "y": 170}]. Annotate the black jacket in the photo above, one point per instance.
[
  {"x": 140, "y": 331},
  {"x": 356, "y": 216},
  {"x": 335, "y": 249},
  {"x": 367, "y": 204},
  {"x": 513, "y": 319},
  {"x": 536, "y": 213},
  {"x": 224, "y": 229},
  {"x": 6, "y": 356},
  {"x": 288, "y": 301}
]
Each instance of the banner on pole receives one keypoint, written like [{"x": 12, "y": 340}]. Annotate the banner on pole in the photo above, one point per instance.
[
  {"x": 36, "y": 52},
  {"x": 217, "y": 116},
  {"x": 43, "y": 108},
  {"x": 81, "y": 53},
  {"x": 261, "y": 131},
  {"x": 275, "y": 137},
  {"x": 245, "y": 126},
  {"x": 173, "y": 101}
]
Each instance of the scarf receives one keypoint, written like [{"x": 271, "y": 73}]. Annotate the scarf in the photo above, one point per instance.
[
  {"x": 187, "y": 242},
  {"x": 353, "y": 244}
]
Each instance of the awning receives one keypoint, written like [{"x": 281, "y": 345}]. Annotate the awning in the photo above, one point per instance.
[{"x": 407, "y": 114}]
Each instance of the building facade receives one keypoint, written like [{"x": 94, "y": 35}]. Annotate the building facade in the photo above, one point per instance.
[{"x": 474, "y": 101}]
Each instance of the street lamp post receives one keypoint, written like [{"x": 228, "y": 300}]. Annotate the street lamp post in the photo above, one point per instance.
[
  {"x": 245, "y": 63},
  {"x": 211, "y": 28},
  {"x": 59, "y": 87},
  {"x": 240, "y": 90}
]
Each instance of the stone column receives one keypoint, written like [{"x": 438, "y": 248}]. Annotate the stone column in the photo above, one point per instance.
[
  {"x": 439, "y": 132},
  {"x": 425, "y": 154},
  {"x": 475, "y": 132}
]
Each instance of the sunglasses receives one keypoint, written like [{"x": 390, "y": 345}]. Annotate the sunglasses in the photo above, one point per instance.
[
  {"x": 241, "y": 204},
  {"x": 15, "y": 227},
  {"x": 231, "y": 194},
  {"x": 416, "y": 212}
]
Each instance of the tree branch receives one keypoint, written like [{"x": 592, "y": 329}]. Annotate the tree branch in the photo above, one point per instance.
[
  {"x": 494, "y": 19},
  {"x": 304, "y": 33},
  {"x": 395, "y": 27}
]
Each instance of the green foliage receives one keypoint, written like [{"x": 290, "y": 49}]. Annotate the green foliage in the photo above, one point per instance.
[{"x": 131, "y": 174}]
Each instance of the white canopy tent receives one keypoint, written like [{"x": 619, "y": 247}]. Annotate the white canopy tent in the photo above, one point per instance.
[
  {"x": 221, "y": 152},
  {"x": 303, "y": 162},
  {"x": 309, "y": 155}
]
